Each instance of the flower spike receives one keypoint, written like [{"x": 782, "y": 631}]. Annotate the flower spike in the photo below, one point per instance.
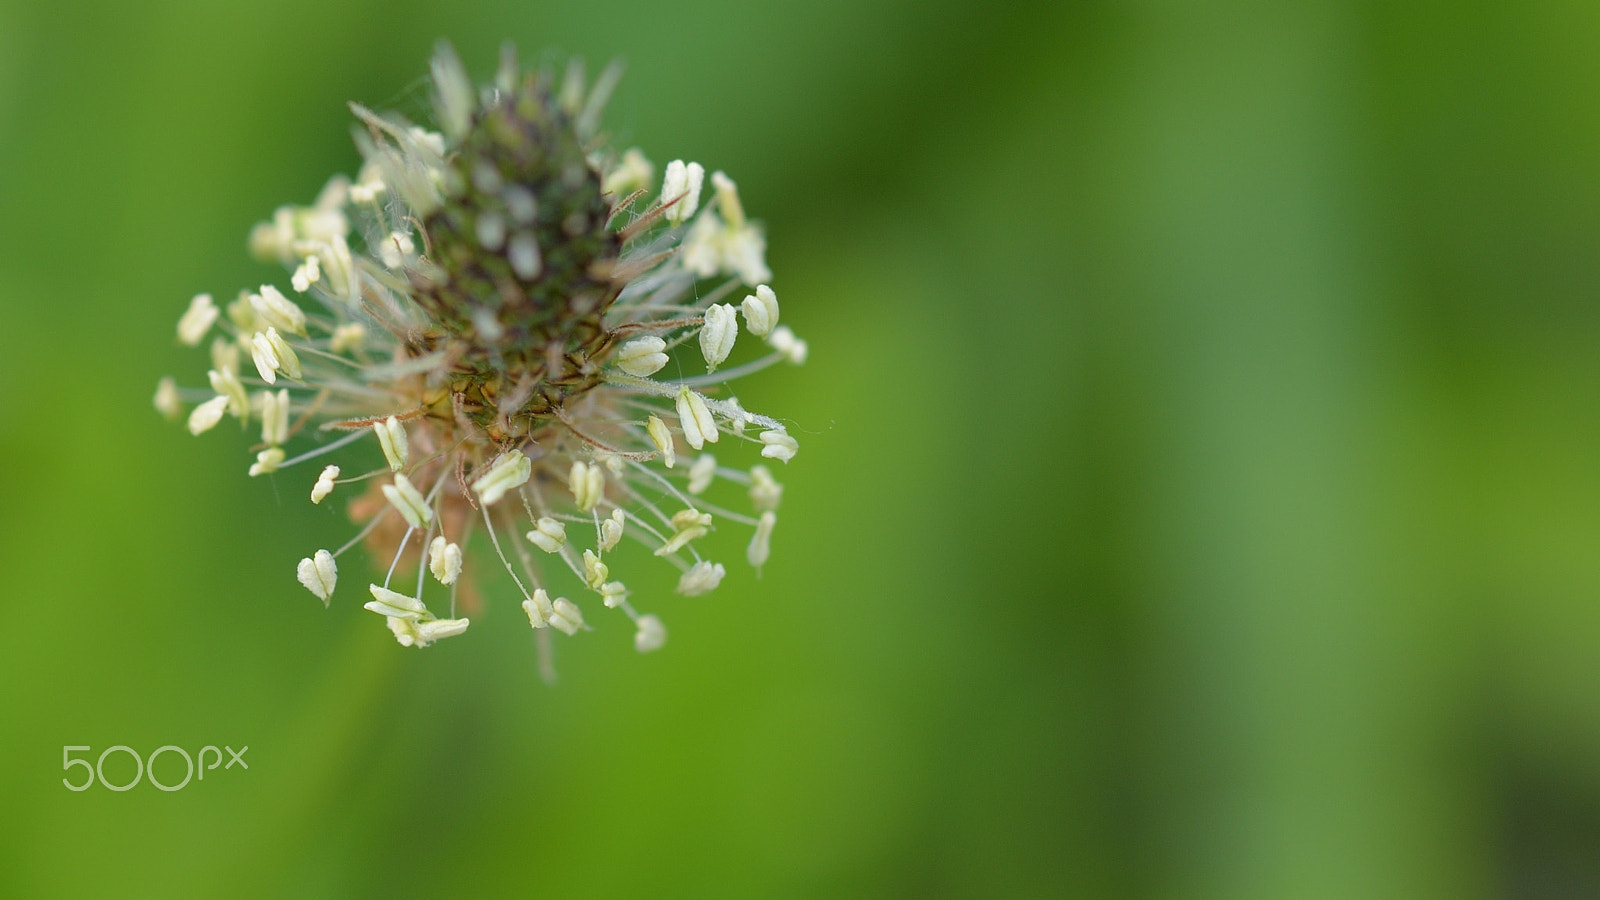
[{"x": 512, "y": 311}]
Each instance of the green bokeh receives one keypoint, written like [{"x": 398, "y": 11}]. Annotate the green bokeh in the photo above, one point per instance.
[{"x": 1197, "y": 497}]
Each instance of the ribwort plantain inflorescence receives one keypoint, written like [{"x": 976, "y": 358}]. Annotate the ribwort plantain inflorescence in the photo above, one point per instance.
[{"x": 492, "y": 304}]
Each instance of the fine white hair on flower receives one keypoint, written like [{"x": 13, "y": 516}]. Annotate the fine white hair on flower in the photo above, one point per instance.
[{"x": 495, "y": 323}]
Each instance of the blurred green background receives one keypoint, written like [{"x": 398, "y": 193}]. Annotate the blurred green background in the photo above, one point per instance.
[{"x": 1198, "y": 493}]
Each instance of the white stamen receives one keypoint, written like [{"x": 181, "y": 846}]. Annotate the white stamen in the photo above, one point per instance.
[
  {"x": 548, "y": 535},
  {"x": 267, "y": 461},
  {"x": 642, "y": 357},
  {"x": 595, "y": 572},
  {"x": 307, "y": 274},
  {"x": 702, "y": 473},
  {"x": 779, "y": 446},
  {"x": 662, "y": 438},
  {"x": 736, "y": 416},
  {"x": 764, "y": 491},
  {"x": 688, "y": 525},
  {"x": 744, "y": 253},
  {"x": 392, "y": 438},
  {"x": 760, "y": 311},
  {"x": 444, "y": 560},
  {"x": 718, "y": 334},
  {"x": 319, "y": 574},
  {"x": 405, "y": 497},
  {"x": 728, "y": 199},
  {"x": 197, "y": 320},
  {"x": 611, "y": 530},
  {"x": 393, "y": 604},
  {"x": 612, "y": 593},
  {"x": 405, "y": 630},
  {"x": 166, "y": 399},
  {"x": 565, "y": 616},
  {"x": 347, "y": 337},
  {"x": 227, "y": 384},
  {"x": 369, "y": 183},
  {"x": 702, "y": 577},
  {"x": 396, "y": 249},
  {"x": 225, "y": 355},
  {"x": 652, "y": 635},
  {"x": 791, "y": 348},
  {"x": 429, "y": 631},
  {"x": 588, "y": 484},
  {"x": 699, "y": 428},
  {"x": 539, "y": 609},
  {"x": 272, "y": 354},
  {"x": 265, "y": 358},
  {"x": 681, "y": 183},
  {"x": 632, "y": 173},
  {"x": 279, "y": 311},
  {"x": 274, "y": 416},
  {"x": 243, "y": 315},
  {"x": 511, "y": 470},
  {"x": 207, "y": 414},
  {"x": 701, "y": 250},
  {"x": 761, "y": 544},
  {"x": 324, "y": 485}
]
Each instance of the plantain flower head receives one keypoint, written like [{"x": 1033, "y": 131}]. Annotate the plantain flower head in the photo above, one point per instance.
[{"x": 521, "y": 331}]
